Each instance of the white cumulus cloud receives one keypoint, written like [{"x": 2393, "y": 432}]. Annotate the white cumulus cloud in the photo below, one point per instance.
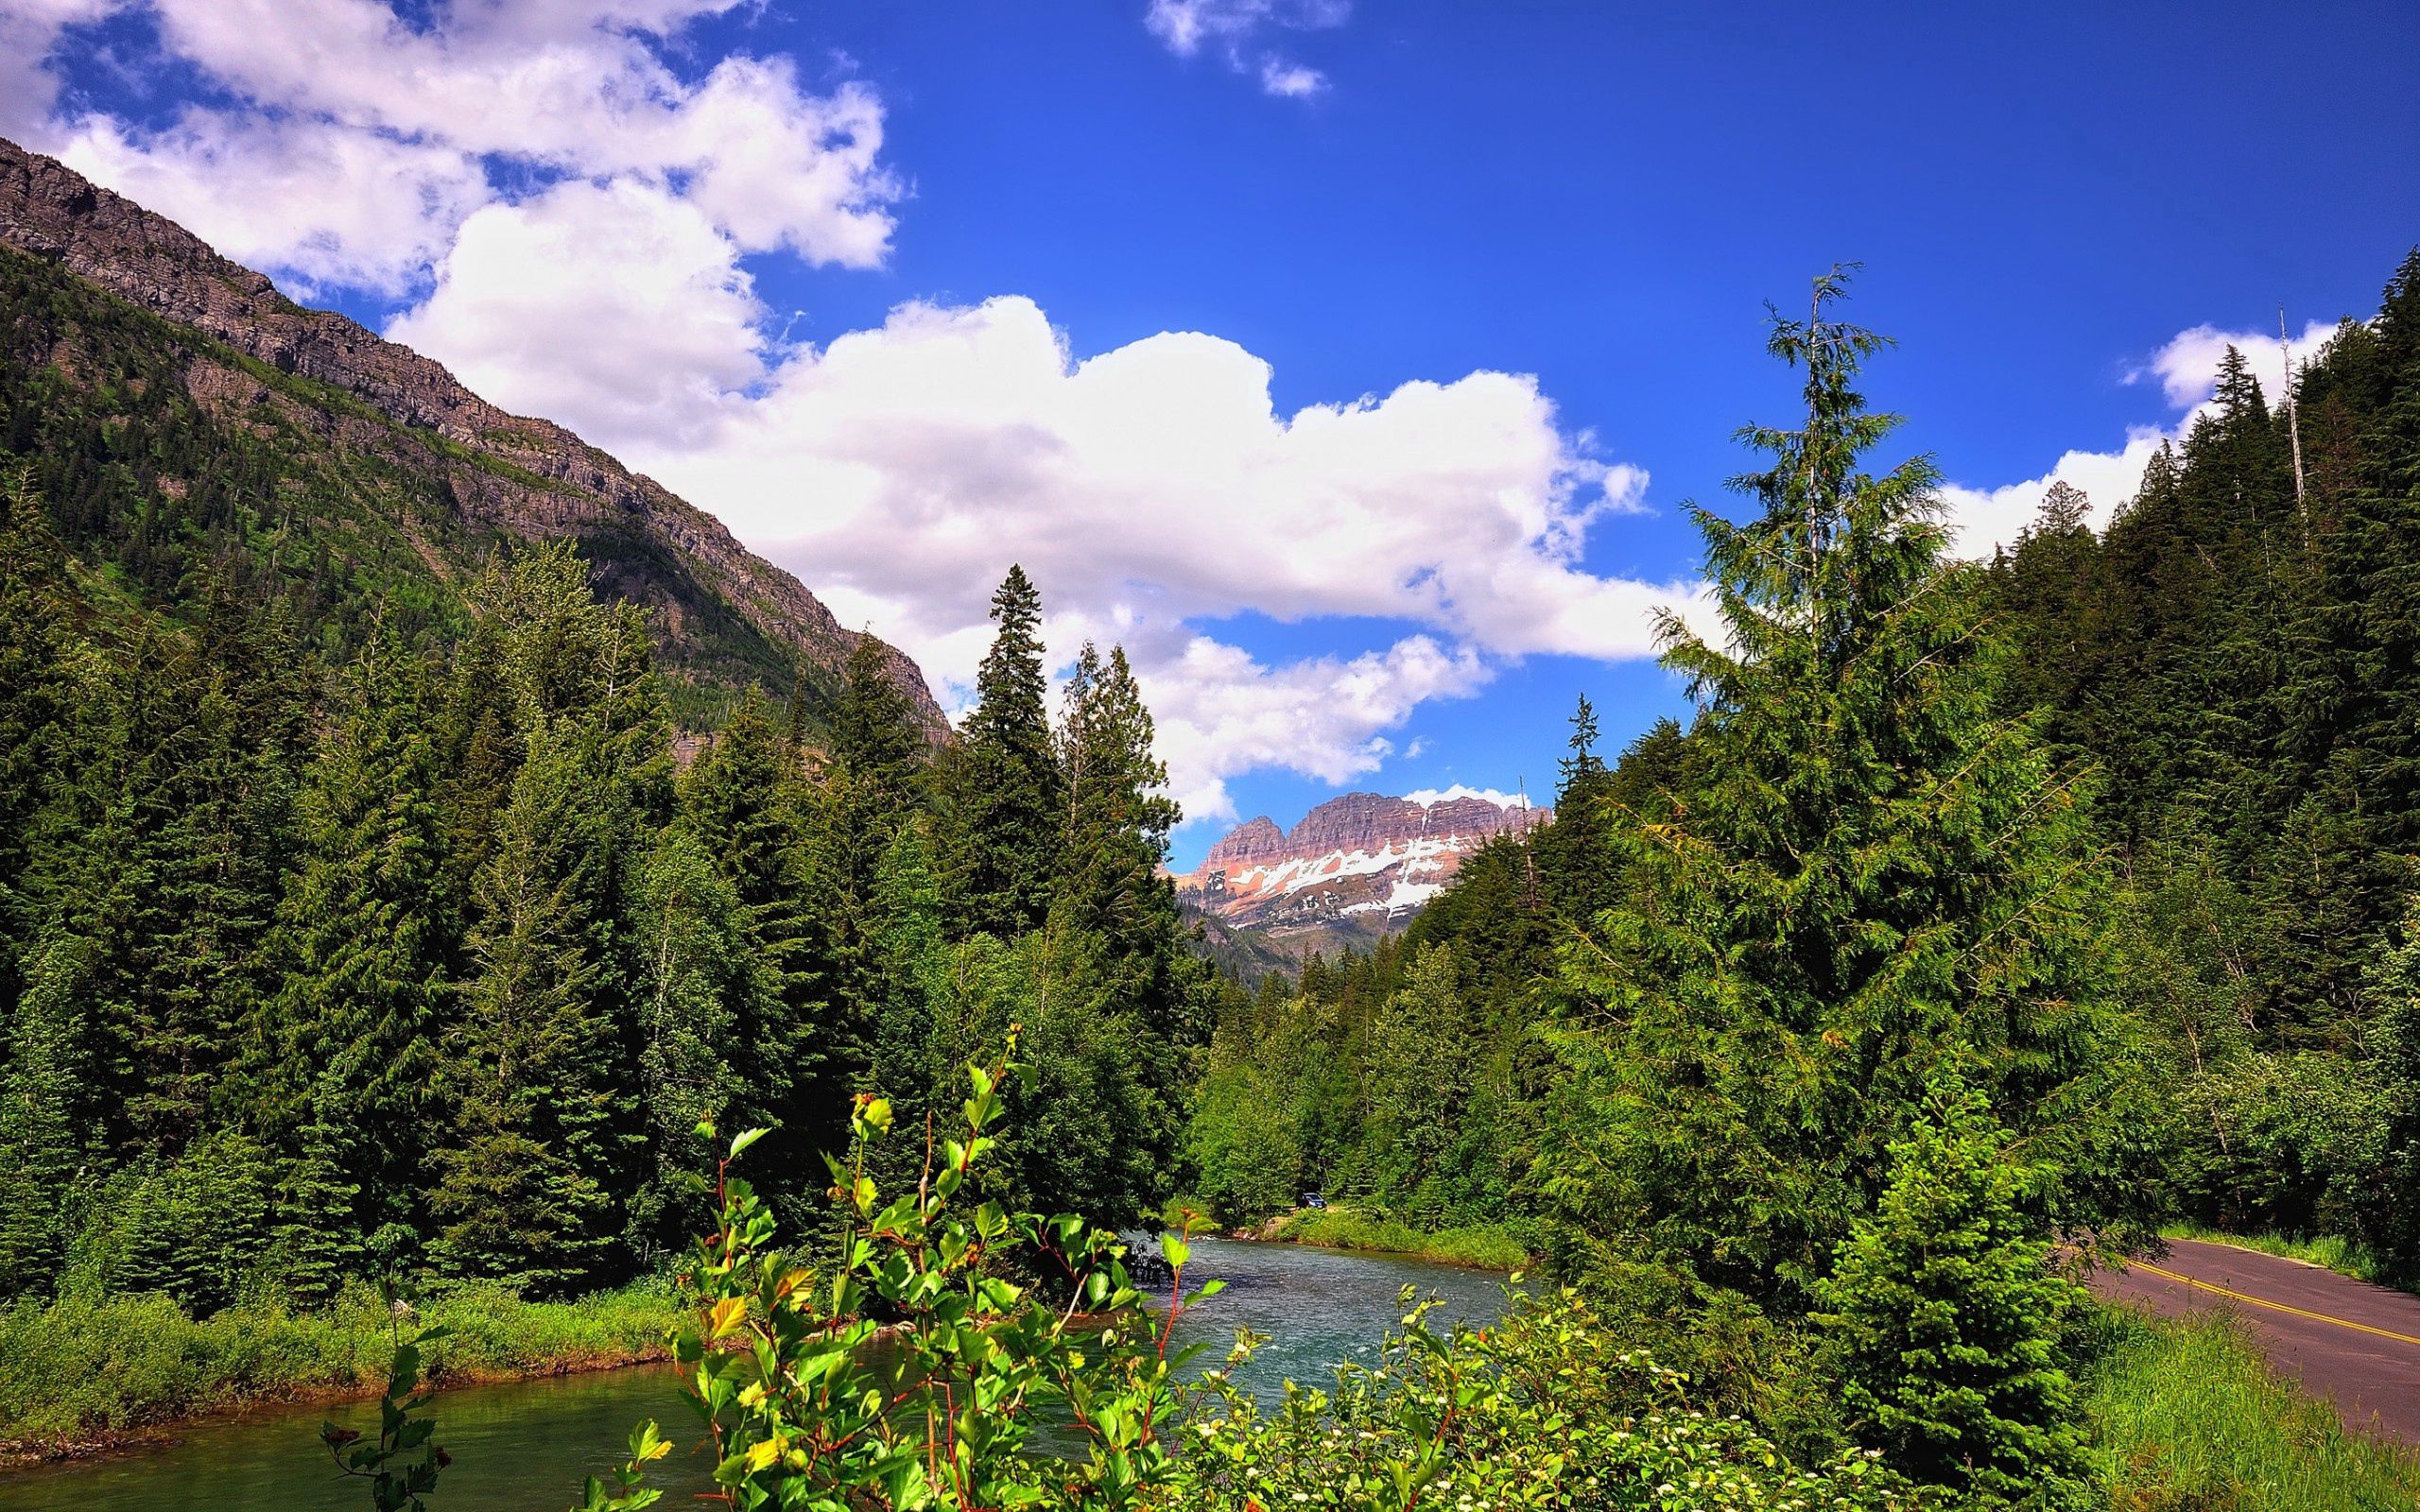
[
  {"x": 1152, "y": 490},
  {"x": 1431, "y": 796},
  {"x": 647, "y": 343},
  {"x": 359, "y": 141},
  {"x": 2186, "y": 369},
  {"x": 29, "y": 30}
]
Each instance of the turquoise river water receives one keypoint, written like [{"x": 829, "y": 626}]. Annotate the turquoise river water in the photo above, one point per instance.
[{"x": 525, "y": 1446}]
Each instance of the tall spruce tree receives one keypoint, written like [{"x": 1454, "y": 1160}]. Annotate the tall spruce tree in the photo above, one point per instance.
[
  {"x": 547, "y": 1129},
  {"x": 916, "y": 1044},
  {"x": 1002, "y": 795},
  {"x": 875, "y": 735},
  {"x": 741, "y": 802},
  {"x": 316, "y": 1241},
  {"x": 1114, "y": 908},
  {"x": 363, "y": 944},
  {"x": 707, "y": 977},
  {"x": 1876, "y": 878},
  {"x": 34, "y": 694},
  {"x": 525, "y": 1189},
  {"x": 1581, "y": 879},
  {"x": 870, "y": 792},
  {"x": 42, "y": 1095}
]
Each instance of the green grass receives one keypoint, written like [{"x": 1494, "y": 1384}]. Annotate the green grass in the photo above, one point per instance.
[
  {"x": 76, "y": 1373},
  {"x": 1489, "y": 1246},
  {"x": 2189, "y": 1419},
  {"x": 2341, "y": 1256}
]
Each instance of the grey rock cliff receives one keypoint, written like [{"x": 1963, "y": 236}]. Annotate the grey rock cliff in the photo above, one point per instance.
[{"x": 542, "y": 481}]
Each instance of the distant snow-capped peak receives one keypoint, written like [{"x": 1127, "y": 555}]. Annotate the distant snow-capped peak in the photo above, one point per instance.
[{"x": 1362, "y": 855}]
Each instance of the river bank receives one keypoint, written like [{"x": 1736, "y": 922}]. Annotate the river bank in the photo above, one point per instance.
[
  {"x": 81, "y": 1378},
  {"x": 1481, "y": 1247},
  {"x": 527, "y": 1444}
]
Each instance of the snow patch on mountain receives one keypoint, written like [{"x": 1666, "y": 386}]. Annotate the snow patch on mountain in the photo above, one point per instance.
[
  {"x": 1407, "y": 898},
  {"x": 1428, "y": 797}
]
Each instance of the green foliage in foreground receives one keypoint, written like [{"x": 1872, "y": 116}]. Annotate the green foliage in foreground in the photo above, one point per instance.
[
  {"x": 2187, "y": 1416},
  {"x": 1060, "y": 1390},
  {"x": 1486, "y": 1246},
  {"x": 403, "y": 1462},
  {"x": 1945, "y": 1314},
  {"x": 1547, "y": 1411},
  {"x": 79, "y": 1370}
]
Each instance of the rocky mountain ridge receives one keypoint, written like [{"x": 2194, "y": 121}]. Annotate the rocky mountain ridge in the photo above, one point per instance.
[
  {"x": 1364, "y": 860},
  {"x": 726, "y": 616}
]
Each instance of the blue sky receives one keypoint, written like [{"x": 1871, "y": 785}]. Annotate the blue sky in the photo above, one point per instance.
[{"x": 690, "y": 229}]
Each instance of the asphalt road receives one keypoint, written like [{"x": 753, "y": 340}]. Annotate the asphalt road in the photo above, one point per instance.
[{"x": 2355, "y": 1344}]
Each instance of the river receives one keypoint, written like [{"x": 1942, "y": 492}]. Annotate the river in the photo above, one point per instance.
[{"x": 525, "y": 1446}]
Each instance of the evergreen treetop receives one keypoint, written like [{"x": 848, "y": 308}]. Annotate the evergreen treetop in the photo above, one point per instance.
[{"x": 1876, "y": 875}]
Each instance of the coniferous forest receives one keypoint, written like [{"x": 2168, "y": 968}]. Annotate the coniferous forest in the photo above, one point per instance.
[
  {"x": 1982, "y": 920},
  {"x": 347, "y": 942},
  {"x": 2139, "y": 801}
]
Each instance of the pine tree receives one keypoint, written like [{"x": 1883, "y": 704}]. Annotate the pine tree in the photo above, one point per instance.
[
  {"x": 525, "y": 1182},
  {"x": 1421, "y": 1055},
  {"x": 741, "y": 803},
  {"x": 705, "y": 978},
  {"x": 1003, "y": 796},
  {"x": 1582, "y": 763},
  {"x": 870, "y": 792},
  {"x": 363, "y": 942},
  {"x": 34, "y": 692},
  {"x": 915, "y": 1044},
  {"x": 1944, "y": 1313},
  {"x": 163, "y": 858},
  {"x": 220, "y": 1193},
  {"x": 1875, "y": 878},
  {"x": 317, "y": 1240},
  {"x": 1581, "y": 878},
  {"x": 1114, "y": 909},
  {"x": 875, "y": 735},
  {"x": 42, "y": 1092}
]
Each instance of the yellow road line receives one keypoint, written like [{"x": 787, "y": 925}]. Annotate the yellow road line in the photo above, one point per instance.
[{"x": 2274, "y": 1307}]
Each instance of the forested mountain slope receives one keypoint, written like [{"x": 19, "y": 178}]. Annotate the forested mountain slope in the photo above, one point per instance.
[
  {"x": 411, "y": 825},
  {"x": 2236, "y": 659},
  {"x": 177, "y": 408}
]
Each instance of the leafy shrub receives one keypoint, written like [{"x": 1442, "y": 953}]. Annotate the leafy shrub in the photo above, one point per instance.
[
  {"x": 987, "y": 1391},
  {"x": 803, "y": 1409},
  {"x": 1546, "y": 1411},
  {"x": 1488, "y": 1247}
]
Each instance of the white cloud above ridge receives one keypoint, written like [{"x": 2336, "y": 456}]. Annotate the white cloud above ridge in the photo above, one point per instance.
[
  {"x": 356, "y": 145},
  {"x": 1431, "y": 796},
  {"x": 1155, "y": 486},
  {"x": 1159, "y": 478},
  {"x": 29, "y": 30},
  {"x": 686, "y": 321},
  {"x": 2185, "y": 366}
]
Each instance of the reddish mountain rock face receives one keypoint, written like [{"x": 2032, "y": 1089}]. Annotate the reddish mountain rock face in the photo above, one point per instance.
[
  {"x": 1253, "y": 840},
  {"x": 525, "y": 477},
  {"x": 1364, "y": 860}
]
